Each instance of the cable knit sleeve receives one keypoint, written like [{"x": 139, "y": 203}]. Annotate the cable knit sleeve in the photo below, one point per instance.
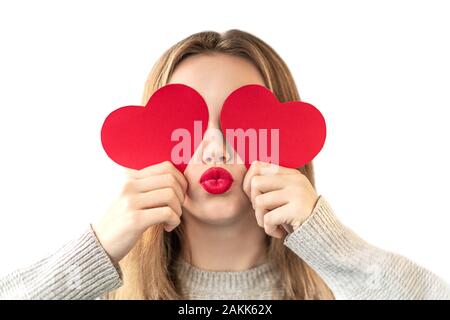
[
  {"x": 354, "y": 269},
  {"x": 81, "y": 269}
]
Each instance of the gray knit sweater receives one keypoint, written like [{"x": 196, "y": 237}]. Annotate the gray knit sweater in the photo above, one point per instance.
[{"x": 351, "y": 267}]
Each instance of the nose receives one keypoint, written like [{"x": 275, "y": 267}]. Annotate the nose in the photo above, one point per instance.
[{"x": 215, "y": 149}]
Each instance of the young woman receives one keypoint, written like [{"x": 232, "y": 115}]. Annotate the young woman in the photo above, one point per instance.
[{"x": 171, "y": 235}]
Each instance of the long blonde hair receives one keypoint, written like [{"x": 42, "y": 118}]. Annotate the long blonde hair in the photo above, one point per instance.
[{"x": 149, "y": 268}]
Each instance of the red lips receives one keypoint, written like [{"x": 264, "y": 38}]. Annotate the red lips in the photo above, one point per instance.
[{"x": 216, "y": 180}]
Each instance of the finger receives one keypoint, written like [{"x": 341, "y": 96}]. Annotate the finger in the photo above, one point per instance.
[
  {"x": 259, "y": 215},
  {"x": 155, "y": 169},
  {"x": 152, "y": 216},
  {"x": 264, "y": 184},
  {"x": 268, "y": 201},
  {"x": 274, "y": 221},
  {"x": 158, "y": 198},
  {"x": 273, "y": 230},
  {"x": 161, "y": 181},
  {"x": 256, "y": 168},
  {"x": 271, "y": 200},
  {"x": 161, "y": 168},
  {"x": 130, "y": 172},
  {"x": 265, "y": 169}
]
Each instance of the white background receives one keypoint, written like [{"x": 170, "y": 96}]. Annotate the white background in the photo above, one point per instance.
[{"x": 378, "y": 70}]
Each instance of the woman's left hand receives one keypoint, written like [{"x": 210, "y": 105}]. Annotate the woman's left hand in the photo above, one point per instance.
[{"x": 282, "y": 198}]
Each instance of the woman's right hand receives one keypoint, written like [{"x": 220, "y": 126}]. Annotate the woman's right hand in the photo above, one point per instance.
[{"x": 150, "y": 196}]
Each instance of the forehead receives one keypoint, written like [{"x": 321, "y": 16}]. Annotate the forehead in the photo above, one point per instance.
[{"x": 216, "y": 75}]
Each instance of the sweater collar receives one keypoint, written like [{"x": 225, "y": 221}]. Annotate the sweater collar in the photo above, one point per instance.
[{"x": 261, "y": 277}]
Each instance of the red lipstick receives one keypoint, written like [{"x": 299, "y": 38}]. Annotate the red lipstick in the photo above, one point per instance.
[{"x": 216, "y": 180}]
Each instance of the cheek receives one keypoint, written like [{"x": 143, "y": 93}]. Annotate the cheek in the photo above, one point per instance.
[{"x": 192, "y": 174}]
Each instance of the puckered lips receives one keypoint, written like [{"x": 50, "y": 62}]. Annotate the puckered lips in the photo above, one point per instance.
[{"x": 216, "y": 180}]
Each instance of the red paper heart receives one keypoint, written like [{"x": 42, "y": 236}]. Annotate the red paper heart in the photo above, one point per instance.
[
  {"x": 302, "y": 128},
  {"x": 136, "y": 137}
]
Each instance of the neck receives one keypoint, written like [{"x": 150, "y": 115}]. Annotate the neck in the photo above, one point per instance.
[{"x": 236, "y": 246}]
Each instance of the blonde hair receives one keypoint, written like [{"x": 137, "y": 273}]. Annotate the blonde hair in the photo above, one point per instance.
[{"x": 149, "y": 268}]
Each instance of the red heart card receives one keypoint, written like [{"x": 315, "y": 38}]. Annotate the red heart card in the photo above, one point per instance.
[
  {"x": 136, "y": 137},
  {"x": 301, "y": 127}
]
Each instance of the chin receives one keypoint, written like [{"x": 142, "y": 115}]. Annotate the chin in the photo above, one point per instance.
[{"x": 219, "y": 209}]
